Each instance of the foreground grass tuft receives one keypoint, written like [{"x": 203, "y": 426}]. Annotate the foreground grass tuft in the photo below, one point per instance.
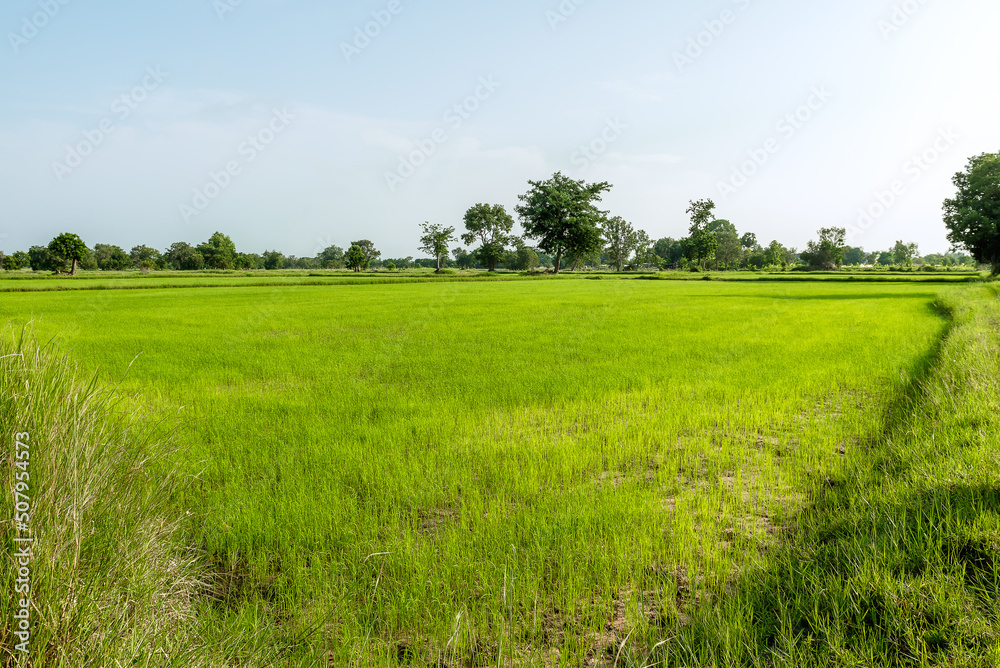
[{"x": 110, "y": 583}]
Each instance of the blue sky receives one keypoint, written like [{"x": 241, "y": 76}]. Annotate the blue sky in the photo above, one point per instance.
[{"x": 149, "y": 123}]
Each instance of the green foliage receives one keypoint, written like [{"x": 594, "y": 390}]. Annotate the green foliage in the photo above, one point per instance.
[
  {"x": 183, "y": 257},
  {"x": 973, "y": 215},
  {"x": 435, "y": 240},
  {"x": 390, "y": 266},
  {"x": 16, "y": 261},
  {"x": 620, "y": 240},
  {"x": 903, "y": 253},
  {"x": 219, "y": 252},
  {"x": 273, "y": 260},
  {"x": 670, "y": 251},
  {"x": 144, "y": 257},
  {"x": 490, "y": 226},
  {"x": 68, "y": 249},
  {"x": 356, "y": 259},
  {"x": 111, "y": 258},
  {"x": 368, "y": 250},
  {"x": 702, "y": 242},
  {"x": 561, "y": 215},
  {"x": 828, "y": 252},
  {"x": 331, "y": 258},
  {"x": 40, "y": 258},
  {"x": 522, "y": 259}
]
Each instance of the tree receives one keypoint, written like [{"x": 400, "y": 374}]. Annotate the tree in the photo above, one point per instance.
[
  {"x": 828, "y": 252},
  {"x": 903, "y": 254},
  {"x": 183, "y": 256},
  {"x": 111, "y": 258},
  {"x": 331, "y": 257},
  {"x": 774, "y": 254},
  {"x": 356, "y": 258},
  {"x": 749, "y": 240},
  {"x": 561, "y": 215},
  {"x": 621, "y": 241},
  {"x": 273, "y": 260},
  {"x": 973, "y": 215},
  {"x": 728, "y": 248},
  {"x": 436, "y": 240},
  {"x": 701, "y": 244},
  {"x": 491, "y": 227},
  {"x": 368, "y": 249},
  {"x": 40, "y": 258},
  {"x": 643, "y": 249},
  {"x": 854, "y": 255},
  {"x": 144, "y": 257},
  {"x": 522, "y": 259},
  {"x": 219, "y": 251},
  {"x": 68, "y": 248},
  {"x": 463, "y": 258},
  {"x": 670, "y": 251}
]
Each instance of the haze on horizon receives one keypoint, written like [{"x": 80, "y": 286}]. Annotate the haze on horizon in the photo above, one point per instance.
[{"x": 299, "y": 125}]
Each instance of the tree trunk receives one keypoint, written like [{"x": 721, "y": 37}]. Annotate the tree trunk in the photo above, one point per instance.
[
  {"x": 558, "y": 260},
  {"x": 74, "y": 267}
]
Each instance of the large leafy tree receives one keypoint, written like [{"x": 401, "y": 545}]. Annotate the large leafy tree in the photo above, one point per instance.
[
  {"x": 828, "y": 251},
  {"x": 184, "y": 257},
  {"x": 729, "y": 247},
  {"x": 561, "y": 215},
  {"x": 620, "y": 241},
  {"x": 491, "y": 226},
  {"x": 68, "y": 248},
  {"x": 670, "y": 251},
  {"x": 111, "y": 258},
  {"x": 435, "y": 241},
  {"x": 332, "y": 257},
  {"x": 219, "y": 251},
  {"x": 702, "y": 242},
  {"x": 903, "y": 253},
  {"x": 355, "y": 259},
  {"x": 144, "y": 257},
  {"x": 973, "y": 215},
  {"x": 368, "y": 249}
]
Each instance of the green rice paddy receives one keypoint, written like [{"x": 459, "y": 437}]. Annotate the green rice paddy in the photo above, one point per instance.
[{"x": 529, "y": 472}]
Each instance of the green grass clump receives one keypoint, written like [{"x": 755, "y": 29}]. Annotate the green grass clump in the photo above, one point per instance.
[{"x": 111, "y": 581}]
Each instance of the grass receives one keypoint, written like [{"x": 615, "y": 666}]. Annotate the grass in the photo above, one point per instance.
[{"x": 559, "y": 472}]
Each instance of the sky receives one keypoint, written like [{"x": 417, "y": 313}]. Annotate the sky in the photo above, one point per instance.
[{"x": 299, "y": 125}]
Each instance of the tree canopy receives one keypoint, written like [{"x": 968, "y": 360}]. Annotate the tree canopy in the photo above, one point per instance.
[
  {"x": 69, "y": 248},
  {"x": 491, "y": 226},
  {"x": 973, "y": 215},
  {"x": 560, "y": 214},
  {"x": 828, "y": 251},
  {"x": 435, "y": 241}
]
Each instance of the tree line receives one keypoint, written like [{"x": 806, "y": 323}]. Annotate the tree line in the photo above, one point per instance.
[{"x": 561, "y": 219}]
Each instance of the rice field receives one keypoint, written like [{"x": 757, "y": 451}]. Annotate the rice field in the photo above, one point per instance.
[{"x": 538, "y": 473}]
